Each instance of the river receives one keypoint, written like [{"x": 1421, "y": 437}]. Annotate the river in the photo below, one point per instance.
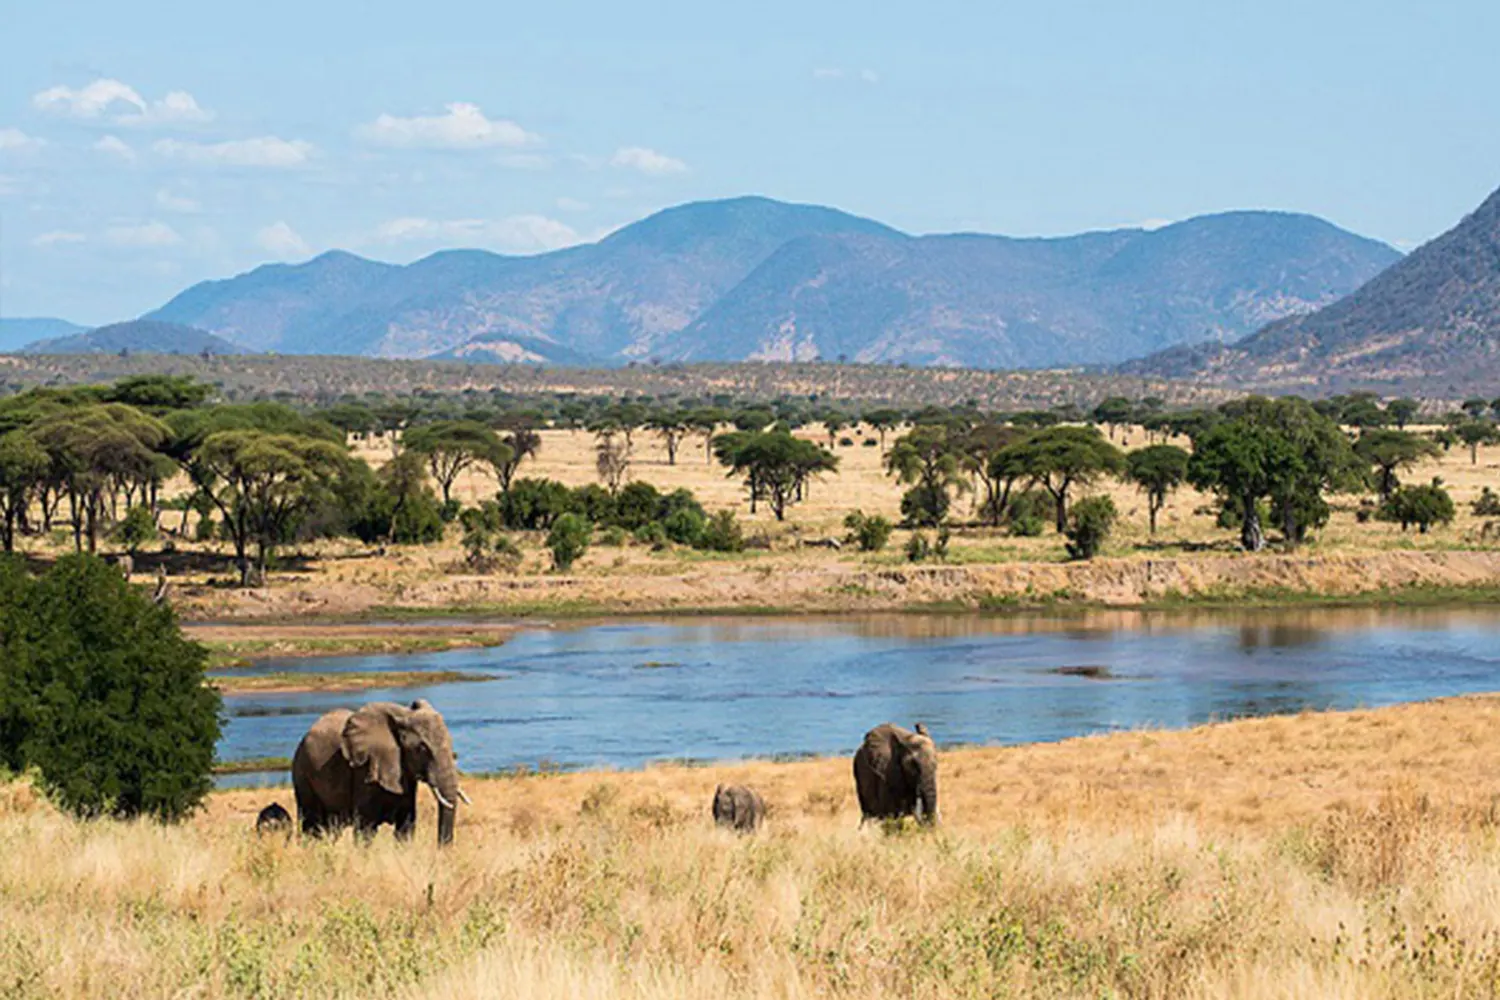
[{"x": 623, "y": 694}]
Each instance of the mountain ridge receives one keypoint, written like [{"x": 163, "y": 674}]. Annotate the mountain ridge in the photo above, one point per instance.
[{"x": 753, "y": 277}]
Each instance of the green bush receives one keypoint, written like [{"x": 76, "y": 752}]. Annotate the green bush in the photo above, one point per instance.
[
  {"x": 534, "y": 504},
  {"x": 923, "y": 506},
  {"x": 1423, "y": 506},
  {"x": 652, "y": 534},
  {"x": 636, "y": 504},
  {"x": 1029, "y": 512},
  {"x": 614, "y": 536},
  {"x": 595, "y": 503},
  {"x": 135, "y": 529},
  {"x": 722, "y": 534},
  {"x": 869, "y": 533},
  {"x": 940, "y": 547},
  {"x": 203, "y": 531},
  {"x": 1089, "y": 524},
  {"x": 1488, "y": 504},
  {"x": 684, "y": 526},
  {"x": 448, "y": 510},
  {"x": 918, "y": 547},
  {"x": 568, "y": 540},
  {"x": 101, "y": 694}
]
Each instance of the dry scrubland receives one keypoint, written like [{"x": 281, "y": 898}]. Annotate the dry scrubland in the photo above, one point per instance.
[
  {"x": 1189, "y": 557},
  {"x": 1345, "y": 855}
]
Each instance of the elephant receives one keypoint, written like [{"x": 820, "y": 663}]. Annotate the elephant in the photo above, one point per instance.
[
  {"x": 895, "y": 774},
  {"x": 362, "y": 768},
  {"x": 739, "y": 808},
  {"x": 273, "y": 819}
]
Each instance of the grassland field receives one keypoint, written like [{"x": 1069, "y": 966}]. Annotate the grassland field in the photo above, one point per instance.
[{"x": 1344, "y": 854}]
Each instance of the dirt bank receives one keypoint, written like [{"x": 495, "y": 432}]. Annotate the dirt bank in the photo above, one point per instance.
[{"x": 826, "y": 587}]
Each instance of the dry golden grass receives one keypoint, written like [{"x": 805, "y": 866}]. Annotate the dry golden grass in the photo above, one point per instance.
[{"x": 1344, "y": 855}]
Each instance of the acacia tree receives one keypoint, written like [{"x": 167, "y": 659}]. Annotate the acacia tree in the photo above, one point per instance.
[
  {"x": 926, "y": 458},
  {"x": 706, "y": 420},
  {"x": 883, "y": 420},
  {"x": 261, "y": 482},
  {"x": 453, "y": 446},
  {"x": 1060, "y": 458},
  {"x": 1157, "y": 470},
  {"x": 776, "y": 466},
  {"x": 1112, "y": 413},
  {"x": 90, "y": 450},
  {"x": 1282, "y": 451},
  {"x": 1475, "y": 433},
  {"x": 612, "y": 461},
  {"x": 1388, "y": 450},
  {"x": 671, "y": 426},
  {"x": 23, "y": 465},
  {"x": 979, "y": 448},
  {"x": 1403, "y": 411},
  {"x": 519, "y": 443}
]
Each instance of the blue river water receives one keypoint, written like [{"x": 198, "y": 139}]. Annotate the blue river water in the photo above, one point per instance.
[{"x": 624, "y": 694}]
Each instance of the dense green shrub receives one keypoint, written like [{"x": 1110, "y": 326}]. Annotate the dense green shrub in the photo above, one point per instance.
[
  {"x": 722, "y": 533},
  {"x": 534, "y": 504},
  {"x": 1488, "y": 504},
  {"x": 870, "y": 533},
  {"x": 918, "y": 547},
  {"x": 1028, "y": 513},
  {"x": 568, "y": 540},
  {"x": 448, "y": 510},
  {"x": 101, "y": 694},
  {"x": 652, "y": 534},
  {"x": 595, "y": 503},
  {"x": 1423, "y": 506},
  {"x": 684, "y": 526},
  {"x": 1089, "y": 524},
  {"x": 925, "y": 506},
  {"x": 636, "y": 504},
  {"x": 135, "y": 529},
  {"x": 614, "y": 536}
]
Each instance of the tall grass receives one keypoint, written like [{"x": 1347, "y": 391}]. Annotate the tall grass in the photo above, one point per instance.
[{"x": 617, "y": 885}]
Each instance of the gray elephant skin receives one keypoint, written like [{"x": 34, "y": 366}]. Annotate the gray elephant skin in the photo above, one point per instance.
[
  {"x": 895, "y": 774},
  {"x": 362, "y": 769},
  {"x": 739, "y": 808}
]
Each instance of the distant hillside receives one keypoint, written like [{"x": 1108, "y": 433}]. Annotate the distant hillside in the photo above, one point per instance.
[
  {"x": 752, "y": 278},
  {"x": 137, "y": 336},
  {"x": 1431, "y": 323},
  {"x": 16, "y": 333}
]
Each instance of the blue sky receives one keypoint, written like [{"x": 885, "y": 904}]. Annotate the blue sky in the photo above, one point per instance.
[{"x": 148, "y": 145}]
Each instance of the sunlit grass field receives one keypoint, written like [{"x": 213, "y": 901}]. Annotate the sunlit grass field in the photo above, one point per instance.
[{"x": 1345, "y": 855}]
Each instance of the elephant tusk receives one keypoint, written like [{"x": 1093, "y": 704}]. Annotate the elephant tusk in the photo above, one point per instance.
[
  {"x": 442, "y": 801},
  {"x": 464, "y": 797}
]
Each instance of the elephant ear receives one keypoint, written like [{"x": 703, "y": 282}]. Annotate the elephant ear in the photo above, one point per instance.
[{"x": 370, "y": 741}]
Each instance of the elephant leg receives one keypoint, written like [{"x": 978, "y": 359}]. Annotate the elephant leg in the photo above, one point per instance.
[{"x": 405, "y": 821}]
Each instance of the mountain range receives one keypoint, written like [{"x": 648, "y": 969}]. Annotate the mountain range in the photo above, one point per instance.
[
  {"x": 753, "y": 278},
  {"x": 1429, "y": 324},
  {"x": 136, "y": 335},
  {"x": 17, "y": 332}
]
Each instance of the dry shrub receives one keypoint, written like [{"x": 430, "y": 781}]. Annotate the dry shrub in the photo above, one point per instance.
[{"x": 1389, "y": 842}]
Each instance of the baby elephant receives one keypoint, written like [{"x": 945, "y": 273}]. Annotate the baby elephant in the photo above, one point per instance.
[
  {"x": 739, "y": 807},
  {"x": 273, "y": 819}
]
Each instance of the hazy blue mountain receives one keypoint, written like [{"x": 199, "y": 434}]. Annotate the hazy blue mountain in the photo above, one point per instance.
[
  {"x": 16, "y": 333},
  {"x": 1431, "y": 321},
  {"x": 138, "y": 337},
  {"x": 756, "y": 278}
]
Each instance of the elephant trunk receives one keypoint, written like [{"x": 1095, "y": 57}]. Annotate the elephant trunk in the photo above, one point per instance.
[
  {"x": 927, "y": 799},
  {"x": 444, "y": 781}
]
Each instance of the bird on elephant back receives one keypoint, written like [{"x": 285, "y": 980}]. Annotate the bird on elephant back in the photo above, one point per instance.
[
  {"x": 895, "y": 774},
  {"x": 362, "y": 769}
]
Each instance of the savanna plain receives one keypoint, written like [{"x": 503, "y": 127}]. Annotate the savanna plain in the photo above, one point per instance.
[{"x": 1350, "y": 854}]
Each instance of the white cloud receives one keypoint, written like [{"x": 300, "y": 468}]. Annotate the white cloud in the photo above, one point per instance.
[
  {"x": 56, "y": 237},
  {"x": 13, "y": 140},
  {"x": 115, "y": 146},
  {"x": 144, "y": 236},
  {"x": 180, "y": 204},
  {"x": 264, "y": 151},
  {"x": 572, "y": 205},
  {"x": 282, "y": 240},
  {"x": 516, "y": 232},
  {"x": 88, "y": 102},
  {"x": 463, "y": 127},
  {"x": 123, "y": 103},
  {"x": 647, "y": 161}
]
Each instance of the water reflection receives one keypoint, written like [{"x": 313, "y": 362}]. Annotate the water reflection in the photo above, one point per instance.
[{"x": 623, "y": 694}]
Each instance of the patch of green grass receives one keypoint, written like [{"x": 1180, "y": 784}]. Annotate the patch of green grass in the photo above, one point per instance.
[
  {"x": 350, "y": 681},
  {"x": 1417, "y": 595},
  {"x": 253, "y": 765}
]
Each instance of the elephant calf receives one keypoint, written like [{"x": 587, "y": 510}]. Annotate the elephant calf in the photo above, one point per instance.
[
  {"x": 739, "y": 807},
  {"x": 895, "y": 774},
  {"x": 273, "y": 819},
  {"x": 362, "y": 769}
]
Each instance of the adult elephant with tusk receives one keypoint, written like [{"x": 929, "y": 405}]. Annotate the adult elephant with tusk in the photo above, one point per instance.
[
  {"x": 361, "y": 769},
  {"x": 895, "y": 774}
]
